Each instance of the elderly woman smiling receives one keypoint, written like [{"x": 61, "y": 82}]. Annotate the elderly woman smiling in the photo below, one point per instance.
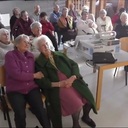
[
  {"x": 5, "y": 44},
  {"x": 36, "y": 28},
  {"x": 20, "y": 85},
  {"x": 66, "y": 92}
]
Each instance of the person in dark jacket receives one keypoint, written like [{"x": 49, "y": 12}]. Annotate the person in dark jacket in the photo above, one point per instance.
[
  {"x": 22, "y": 25},
  {"x": 20, "y": 85},
  {"x": 65, "y": 90},
  {"x": 122, "y": 28},
  {"x": 14, "y": 17}
]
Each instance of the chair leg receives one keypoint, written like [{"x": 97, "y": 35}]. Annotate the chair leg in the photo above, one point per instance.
[
  {"x": 6, "y": 111},
  {"x": 115, "y": 72},
  {"x": 126, "y": 78}
]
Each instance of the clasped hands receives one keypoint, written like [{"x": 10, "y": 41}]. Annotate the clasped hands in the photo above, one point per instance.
[
  {"x": 38, "y": 75},
  {"x": 68, "y": 82}
]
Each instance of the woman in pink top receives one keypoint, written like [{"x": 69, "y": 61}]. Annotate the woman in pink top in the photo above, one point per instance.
[{"x": 20, "y": 85}]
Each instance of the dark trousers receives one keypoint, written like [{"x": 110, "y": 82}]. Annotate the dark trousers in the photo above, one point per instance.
[
  {"x": 53, "y": 39},
  {"x": 18, "y": 103}
]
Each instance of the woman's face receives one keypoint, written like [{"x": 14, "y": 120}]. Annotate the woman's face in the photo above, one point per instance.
[
  {"x": 65, "y": 12},
  {"x": 103, "y": 15},
  {"x": 23, "y": 45},
  {"x": 85, "y": 16},
  {"x": 43, "y": 47},
  {"x": 5, "y": 37},
  {"x": 37, "y": 30},
  {"x": 124, "y": 19}
]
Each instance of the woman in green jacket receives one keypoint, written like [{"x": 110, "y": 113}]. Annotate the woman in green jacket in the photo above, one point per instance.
[{"x": 66, "y": 92}]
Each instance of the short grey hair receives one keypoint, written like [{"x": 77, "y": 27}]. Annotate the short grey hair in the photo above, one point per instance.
[
  {"x": 19, "y": 38},
  {"x": 123, "y": 14},
  {"x": 41, "y": 38},
  {"x": 64, "y": 9},
  {"x": 3, "y": 30},
  {"x": 35, "y": 24},
  {"x": 103, "y": 11}
]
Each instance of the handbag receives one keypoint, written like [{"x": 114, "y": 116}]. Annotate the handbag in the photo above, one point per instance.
[{"x": 103, "y": 57}]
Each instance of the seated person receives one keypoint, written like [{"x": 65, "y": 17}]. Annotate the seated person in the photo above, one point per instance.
[
  {"x": 121, "y": 29},
  {"x": 116, "y": 17},
  {"x": 36, "y": 28},
  {"x": 65, "y": 90},
  {"x": 14, "y": 17},
  {"x": 20, "y": 85},
  {"x": 54, "y": 16},
  {"x": 85, "y": 25},
  {"x": 104, "y": 23},
  {"x": 90, "y": 15},
  {"x": 67, "y": 26},
  {"x": 22, "y": 25},
  {"x": 72, "y": 12},
  {"x": 36, "y": 13},
  {"x": 5, "y": 44},
  {"x": 48, "y": 29}
]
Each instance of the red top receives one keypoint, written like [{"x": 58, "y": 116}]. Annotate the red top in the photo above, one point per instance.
[{"x": 47, "y": 27}]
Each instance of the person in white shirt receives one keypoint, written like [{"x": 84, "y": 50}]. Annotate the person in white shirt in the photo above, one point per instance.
[
  {"x": 5, "y": 44},
  {"x": 90, "y": 15},
  {"x": 104, "y": 22},
  {"x": 85, "y": 25},
  {"x": 36, "y": 28}
]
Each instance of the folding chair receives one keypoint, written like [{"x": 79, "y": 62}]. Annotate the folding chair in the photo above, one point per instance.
[{"x": 4, "y": 104}]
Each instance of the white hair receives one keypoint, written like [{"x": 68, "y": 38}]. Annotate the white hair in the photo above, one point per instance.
[
  {"x": 3, "y": 30},
  {"x": 123, "y": 14},
  {"x": 41, "y": 38},
  {"x": 19, "y": 38},
  {"x": 35, "y": 24},
  {"x": 85, "y": 8},
  {"x": 103, "y": 11}
]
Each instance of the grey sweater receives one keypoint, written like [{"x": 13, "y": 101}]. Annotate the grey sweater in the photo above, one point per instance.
[{"x": 4, "y": 48}]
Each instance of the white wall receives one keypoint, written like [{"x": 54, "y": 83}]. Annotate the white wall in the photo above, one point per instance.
[{"x": 46, "y": 5}]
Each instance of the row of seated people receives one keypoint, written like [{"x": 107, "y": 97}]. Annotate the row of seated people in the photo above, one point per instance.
[
  {"x": 64, "y": 24},
  {"x": 54, "y": 73}
]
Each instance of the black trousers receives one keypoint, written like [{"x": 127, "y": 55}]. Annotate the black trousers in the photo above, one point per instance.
[
  {"x": 18, "y": 103},
  {"x": 53, "y": 39}
]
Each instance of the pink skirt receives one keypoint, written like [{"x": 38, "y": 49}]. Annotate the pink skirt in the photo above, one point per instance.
[{"x": 71, "y": 101}]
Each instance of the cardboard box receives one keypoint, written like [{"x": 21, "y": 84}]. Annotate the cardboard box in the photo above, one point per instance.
[{"x": 88, "y": 47}]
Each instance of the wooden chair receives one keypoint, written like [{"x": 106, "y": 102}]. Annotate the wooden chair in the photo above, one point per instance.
[
  {"x": 124, "y": 47},
  {"x": 3, "y": 98}
]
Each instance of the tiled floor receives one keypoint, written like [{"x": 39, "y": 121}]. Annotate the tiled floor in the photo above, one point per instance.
[{"x": 114, "y": 101}]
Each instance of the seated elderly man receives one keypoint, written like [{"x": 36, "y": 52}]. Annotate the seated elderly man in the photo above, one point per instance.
[
  {"x": 5, "y": 44},
  {"x": 36, "y": 28},
  {"x": 85, "y": 25}
]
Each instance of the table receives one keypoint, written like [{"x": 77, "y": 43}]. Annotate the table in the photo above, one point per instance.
[{"x": 122, "y": 60}]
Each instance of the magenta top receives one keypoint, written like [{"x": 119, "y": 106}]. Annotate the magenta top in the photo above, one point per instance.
[{"x": 19, "y": 72}]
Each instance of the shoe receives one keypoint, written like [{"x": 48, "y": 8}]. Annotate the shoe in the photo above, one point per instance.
[
  {"x": 89, "y": 122},
  {"x": 36, "y": 127}
]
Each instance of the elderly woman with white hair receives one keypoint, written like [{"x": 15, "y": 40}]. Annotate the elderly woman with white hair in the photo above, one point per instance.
[
  {"x": 20, "y": 85},
  {"x": 90, "y": 15},
  {"x": 104, "y": 22},
  {"x": 65, "y": 90},
  {"x": 85, "y": 25},
  {"x": 122, "y": 28},
  {"x": 5, "y": 44},
  {"x": 36, "y": 28}
]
